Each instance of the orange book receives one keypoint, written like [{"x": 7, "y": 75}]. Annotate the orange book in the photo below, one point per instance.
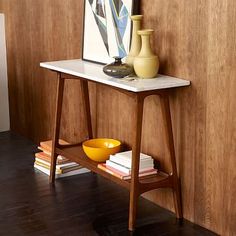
[
  {"x": 47, "y": 158},
  {"x": 47, "y": 145},
  {"x": 44, "y": 150}
]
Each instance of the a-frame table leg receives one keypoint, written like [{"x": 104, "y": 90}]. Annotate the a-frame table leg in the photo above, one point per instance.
[
  {"x": 56, "y": 127},
  {"x": 134, "y": 188},
  {"x": 165, "y": 108},
  {"x": 87, "y": 110}
]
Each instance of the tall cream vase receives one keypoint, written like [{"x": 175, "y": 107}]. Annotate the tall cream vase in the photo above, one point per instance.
[
  {"x": 146, "y": 64},
  {"x": 136, "y": 39}
]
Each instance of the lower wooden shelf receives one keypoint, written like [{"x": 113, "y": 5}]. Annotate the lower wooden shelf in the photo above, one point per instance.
[{"x": 76, "y": 154}]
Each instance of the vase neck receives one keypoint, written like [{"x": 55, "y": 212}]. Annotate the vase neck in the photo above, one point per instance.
[
  {"x": 146, "y": 50},
  {"x": 136, "y": 40},
  {"x": 136, "y": 25}
]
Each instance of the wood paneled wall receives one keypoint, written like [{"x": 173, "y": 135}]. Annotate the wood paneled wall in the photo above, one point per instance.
[
  {"x": 195, "y": 40},
  {"x": 42, "y": 31}
]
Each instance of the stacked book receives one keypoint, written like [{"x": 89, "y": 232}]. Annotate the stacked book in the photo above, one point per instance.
[
  {"x": 64, "y": 167},
  {"x": 119, "y": 165}
]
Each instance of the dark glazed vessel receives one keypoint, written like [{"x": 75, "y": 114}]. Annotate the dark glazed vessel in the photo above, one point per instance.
[{"x": 117, "y": 69}]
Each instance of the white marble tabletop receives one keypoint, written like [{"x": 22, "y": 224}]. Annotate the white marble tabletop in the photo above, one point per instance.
[{"x": 93, "y": 72}]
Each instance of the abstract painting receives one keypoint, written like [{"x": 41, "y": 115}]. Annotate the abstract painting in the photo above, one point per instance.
[{"x": 107, "y": 29}]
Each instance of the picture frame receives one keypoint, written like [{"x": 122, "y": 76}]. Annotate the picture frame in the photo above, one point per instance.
[{"x": 107, "y": 29}]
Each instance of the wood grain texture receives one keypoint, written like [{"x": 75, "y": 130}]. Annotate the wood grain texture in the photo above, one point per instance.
[
  {"x": 42, "y": 31},
  {"x": 195, "y": 40}
]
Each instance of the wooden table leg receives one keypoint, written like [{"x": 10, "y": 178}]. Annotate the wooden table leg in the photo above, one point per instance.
[
  {"x": 56, "y": 127},
  {"x": 134, "y": 188},
  {"x": 165, "y": 108},
  {"x": 87, "y": 112}
]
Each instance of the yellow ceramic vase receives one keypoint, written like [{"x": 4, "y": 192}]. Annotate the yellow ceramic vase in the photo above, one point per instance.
[
  {"x": 136, "y": 39},
  {"x": 146, "y": 64}
]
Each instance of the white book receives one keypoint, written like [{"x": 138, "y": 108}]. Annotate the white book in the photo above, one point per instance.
[
  {"x": 143, "y": 162},
  {"x": 70, "y": 173},
  {"x": 58, "y": 166},
  {"x": 149, "y": 163},
  {"x": 46, "y": 170},
  {"x": 67, "y": 165},
  {"x": 127, "y": 155},
  {"x": 125, "y": 169}
]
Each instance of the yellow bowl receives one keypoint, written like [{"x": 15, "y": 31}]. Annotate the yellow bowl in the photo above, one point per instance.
[{"x": 100, "y": 149}]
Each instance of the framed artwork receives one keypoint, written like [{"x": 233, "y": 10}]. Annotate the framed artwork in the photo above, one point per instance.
[{"x": 107, "y": 29}]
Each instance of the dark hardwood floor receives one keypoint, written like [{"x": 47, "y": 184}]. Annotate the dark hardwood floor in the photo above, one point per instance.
[{"x": 80, "y": 205}]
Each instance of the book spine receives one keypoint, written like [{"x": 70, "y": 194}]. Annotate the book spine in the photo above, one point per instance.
[
  {"x": 67, "y": 165},
  {"x": 118, "y": 167},
  {"x": 46, "y": 157},
  {"x": 60, "y": 168},
  {"x": 128, "y": 155},
  {"x": 37, "y": 159},
  {"x": 124, "y": 176},
  {"x": 146, "y": 174},
  {"x": 120, "y": 161},
  {"x": 102, "y": 167},
  {"x": 125, "y": 169},
  {"x": 128, "y": 164},
  {"x": 44, "y": 170},
  {"x": 74, "y": 172},
  {"x": 70, "y": 169},
  {"x": 44, "y": 151},
  {"x": 49, "y": 153},
  {"x": 58, "y": 171}
]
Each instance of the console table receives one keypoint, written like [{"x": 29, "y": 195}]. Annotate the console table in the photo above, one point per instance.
[{"x": 138, "y": 89}]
